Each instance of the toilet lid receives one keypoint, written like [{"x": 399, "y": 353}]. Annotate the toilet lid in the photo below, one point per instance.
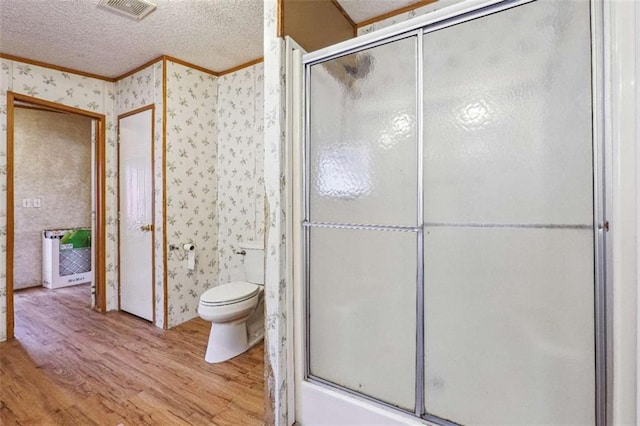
[{"x": 233, "y": 292}]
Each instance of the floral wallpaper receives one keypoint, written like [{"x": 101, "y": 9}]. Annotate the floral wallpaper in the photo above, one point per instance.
[
  {"x": 212, "y": 200},
  {"x": 79, "y": 92},
  {"x": 240, "y": 167},
  {"x": 191, "y": 176},
  {"x": 215, "y": 184},
  {"x": 6, "y": 71},
  {"x": 138, "y": 90},
  {"x": 276, "y": 386},
  {"x": 158, "y": 196}
]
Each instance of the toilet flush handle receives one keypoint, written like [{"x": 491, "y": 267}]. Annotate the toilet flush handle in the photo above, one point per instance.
[{"x": 241, "y": 252}]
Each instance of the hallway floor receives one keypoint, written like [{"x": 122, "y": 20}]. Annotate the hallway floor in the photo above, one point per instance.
[{"x": 70, "y": 365}]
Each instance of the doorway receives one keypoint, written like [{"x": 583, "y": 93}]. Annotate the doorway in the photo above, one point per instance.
[{"x": 98, "y": 189}]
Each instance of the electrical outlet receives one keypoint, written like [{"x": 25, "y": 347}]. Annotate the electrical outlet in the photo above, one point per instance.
[
  {"x": 37, "y": 203},
  {"x": 26, "y": 202}
]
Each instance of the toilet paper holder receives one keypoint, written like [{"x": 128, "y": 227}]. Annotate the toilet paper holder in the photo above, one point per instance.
[{"x": 186, "y": 247}]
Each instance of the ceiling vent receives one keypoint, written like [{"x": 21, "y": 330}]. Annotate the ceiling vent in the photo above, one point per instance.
[{"x": 135, "y": 9}]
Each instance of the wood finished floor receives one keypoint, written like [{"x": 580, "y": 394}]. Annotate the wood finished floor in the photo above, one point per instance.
[{"x": 70, "y": 365}]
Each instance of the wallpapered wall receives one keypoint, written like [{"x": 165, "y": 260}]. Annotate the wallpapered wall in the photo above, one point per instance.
[
  {"x": 276, "y": 378},
  {"x": 138, "y": 90},
  {"x": 212, "y": 200},
  {"x": 214, "y": 174},
  {"x": 215, "y": 184},
  {"x": 240, "y": 166},
  {"x": 191, "y": 186},
  {"x": 52, "y": 162},
  {"x": 72, "y": 90}
]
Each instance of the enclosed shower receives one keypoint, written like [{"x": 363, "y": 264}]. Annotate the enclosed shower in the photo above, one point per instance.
[{"x": 453, "y": 219}]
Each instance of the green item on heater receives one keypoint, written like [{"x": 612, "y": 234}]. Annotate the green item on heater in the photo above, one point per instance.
[{"x": 79, "y": 238}]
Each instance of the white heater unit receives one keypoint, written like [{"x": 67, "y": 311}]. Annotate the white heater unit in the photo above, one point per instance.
[{"x": 66, "y": 257}]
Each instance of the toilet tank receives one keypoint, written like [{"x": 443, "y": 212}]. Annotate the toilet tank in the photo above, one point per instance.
[{"x": 253, "y": 261}]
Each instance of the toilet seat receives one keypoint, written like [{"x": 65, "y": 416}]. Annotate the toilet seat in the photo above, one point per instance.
[{"x": 229, "y": 294}]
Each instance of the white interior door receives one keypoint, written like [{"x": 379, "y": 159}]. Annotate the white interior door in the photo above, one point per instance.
[{"x": 136, "y": 202}]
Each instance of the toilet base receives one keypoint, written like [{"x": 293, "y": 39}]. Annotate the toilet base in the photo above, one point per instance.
[
  {"x": 226, "y": 341},
  {"x": 229, "y": 340}
]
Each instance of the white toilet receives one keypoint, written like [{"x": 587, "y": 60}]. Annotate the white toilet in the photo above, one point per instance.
[{"x": 236, "y": 309}]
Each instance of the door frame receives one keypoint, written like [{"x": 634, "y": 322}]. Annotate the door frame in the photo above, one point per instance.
[
  {"x": 99, "y": 171},
  {"x": 151, "y": 107},
  {"x": 294, "y": 128}
]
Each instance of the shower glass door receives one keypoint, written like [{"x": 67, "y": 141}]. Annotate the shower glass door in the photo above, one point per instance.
[
  {"x": 362, "y": 222},
  {"x": 508, "y": 218},
  {"x": 453, "y": 264}
]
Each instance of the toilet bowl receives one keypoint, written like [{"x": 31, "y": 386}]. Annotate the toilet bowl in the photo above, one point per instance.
[
  {"x": 236, "y": 310},
  {"x": 229, "y": 307}
]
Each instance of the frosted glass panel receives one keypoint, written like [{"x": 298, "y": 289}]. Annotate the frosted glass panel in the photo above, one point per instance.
[
  {"x": 363, "y": 311},
  {"x": 363, "y": 137},
  {"x": 509, "y": 325},
  {"x": 508, "y": 117},
  {"x": 509, "y": 273}
]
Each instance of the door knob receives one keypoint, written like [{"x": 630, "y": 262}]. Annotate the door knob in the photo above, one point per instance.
[{"x": 146, "y": 228}]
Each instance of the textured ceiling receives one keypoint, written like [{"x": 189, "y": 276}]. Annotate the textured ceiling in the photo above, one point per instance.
[
  {"x": 214, "y": 34},
  {"x": 361, "y": 10}
]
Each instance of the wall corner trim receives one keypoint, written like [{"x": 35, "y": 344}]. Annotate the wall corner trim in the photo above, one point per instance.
[
  {"x": 189, "y": 65},
  {"x": 346, "y": 16},
  {"x": 55, "y": 67},
  {"x": 133, "y": 71},
  {"x": 165, "y": 250},
  {"x": 241, "y": 66},
  {"x": 139, "y": 68}
]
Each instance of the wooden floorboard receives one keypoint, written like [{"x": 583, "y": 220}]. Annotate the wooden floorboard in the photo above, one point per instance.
[{"x": 70, "y": 365}]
